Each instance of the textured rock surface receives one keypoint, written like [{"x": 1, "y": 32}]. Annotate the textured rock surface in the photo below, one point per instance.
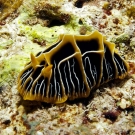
[{"x": 110, "y": 110}]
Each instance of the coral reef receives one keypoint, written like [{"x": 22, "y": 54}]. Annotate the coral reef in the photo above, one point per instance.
[{"x": 111, "y": 106}]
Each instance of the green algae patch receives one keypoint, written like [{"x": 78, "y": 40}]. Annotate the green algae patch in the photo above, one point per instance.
[
  {"x": 123, "y": 38},
  {"x": 10, "y": 69},
  {"x": 31, "y": 47},
  {"x": 6, "y": 44},
  {"x": 37, "y": 32}
]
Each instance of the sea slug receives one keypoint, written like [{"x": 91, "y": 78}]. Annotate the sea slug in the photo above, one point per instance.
[{"x": 71, "y": 68}]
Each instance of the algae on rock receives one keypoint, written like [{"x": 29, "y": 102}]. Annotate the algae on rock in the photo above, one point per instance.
[{"x": 8, "y": 6}]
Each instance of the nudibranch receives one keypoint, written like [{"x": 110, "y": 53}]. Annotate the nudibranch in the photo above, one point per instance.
[{"x": 71, "y": 68}]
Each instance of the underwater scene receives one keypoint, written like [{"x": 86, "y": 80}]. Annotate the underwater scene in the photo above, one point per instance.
[{"x": 67, "y": 67}]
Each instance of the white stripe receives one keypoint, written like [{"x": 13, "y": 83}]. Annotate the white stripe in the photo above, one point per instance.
[
  {"x": 29, "y": 83},
  {"x": 109, "y": 70},
  {"x": 25, "y": 74},
  {"x": 108, "y": 67},
  {"x": 105, "y": 66},
  {"x": 40, "y": 86},
  {"x": 118, "y": 64},
  {"x": 89, "y": 81},
  {"x": 105, "y": 69},
  {"x": 36, "y": 87},
  {"x": 87, "y": 58},
  {"x": 43, "y": 89},
  {"x": 76, "y": 76},
  {"x": 66, "y": 77},
  {"x": 55, "y": 78},
  {"x": 58, "y": 90},
  {"x": 23, "y": 81},
  {"x": 123, "y": 69},
  {"x": 95, "y": 72},
  {"x": 70, "y": 75},
  {"x": 83, "y": 87}
]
